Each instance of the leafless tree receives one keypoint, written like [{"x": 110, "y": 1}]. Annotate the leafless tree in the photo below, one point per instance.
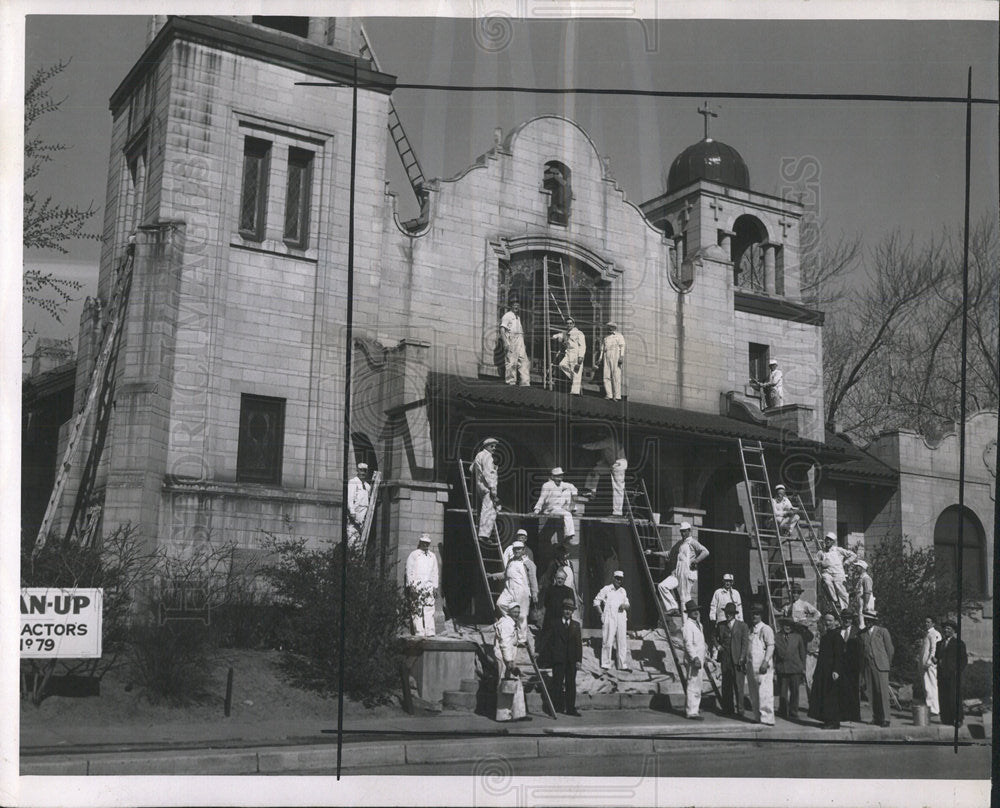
[
  {"x": 48, "y": 224},
  {"x": 892, "y": 346}
]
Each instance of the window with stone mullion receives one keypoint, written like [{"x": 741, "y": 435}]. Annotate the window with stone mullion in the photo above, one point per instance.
[
  {"x": 297, "y": 196},
  {"x": 253, "y": 200}
]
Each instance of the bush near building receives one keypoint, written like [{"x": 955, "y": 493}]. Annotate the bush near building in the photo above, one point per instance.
[
  {"x": 307, "y": 582},
  {"x": 907, "y": 587}
]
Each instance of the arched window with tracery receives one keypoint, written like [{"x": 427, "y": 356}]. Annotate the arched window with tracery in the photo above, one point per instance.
[
  {"x": 556, "y": 181},
  {"x": 747, "y": 253},
  {"x": 536, "y": 280},
  {"x": 946, "y": 550}
]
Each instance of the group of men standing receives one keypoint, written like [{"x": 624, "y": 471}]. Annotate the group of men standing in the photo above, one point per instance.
[{"x": 573, "y": 345}]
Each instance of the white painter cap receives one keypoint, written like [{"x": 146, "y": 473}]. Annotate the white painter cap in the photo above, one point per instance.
[
  {"x": 557, "y": 471},
  {"x": 831, "y": 535},
  {"x": 362, "y": 467},
  {"x": 490, "y": 442},
  {"x": 779, "y": 487},
  {"x": 522, "y": 532},
  {"x": 619, "y": 574},
  {"x": 727, "y": 577},
  {"x": 517, "y": 544},
  {"x": 424, "y": 537},
  {"x": 772, "y": 362},
  {"x": 685, "y": 525}
]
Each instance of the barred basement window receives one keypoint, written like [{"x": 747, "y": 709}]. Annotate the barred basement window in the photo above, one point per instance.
[
  {"x": 262, "y": 439},
  {"x": 297, "y": 196},
  {"x": 253, "y": 201}
]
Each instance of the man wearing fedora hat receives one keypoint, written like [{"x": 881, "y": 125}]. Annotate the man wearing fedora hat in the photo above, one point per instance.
[
  {"x": 422, "y": 582},
  {"x": 805, "y": 617},
  {"x": 694, "y": 660},
  {"x": 732, "y": 643},
  {"x": 790, "y": 666},
  {"x": 358, "y": 500},
  {"x": 562, "y": 642},
  {"x": 484, "y": 472},
  {"x": 574, "y": 348},
  {"x": 556, "y": 499},
  {"x": 612, "y": 601},
  {"x": 612, "y": 360},
  {"x": 877, "y": 651}
]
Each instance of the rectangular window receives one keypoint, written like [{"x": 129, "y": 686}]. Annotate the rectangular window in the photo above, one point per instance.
[
  {"x": 758, "y": 362},
  {"x": 253, "y": 201},
  {"x": 297, "y": 196},
  {"x": 262, "y": 438}
]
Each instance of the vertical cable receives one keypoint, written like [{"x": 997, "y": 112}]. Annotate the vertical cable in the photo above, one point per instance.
[
  {"x": 962, "y": 404},
  {"x": 348, "y": 347}
]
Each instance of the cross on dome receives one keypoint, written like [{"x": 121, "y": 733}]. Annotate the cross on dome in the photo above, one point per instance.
[{"x": 707, "y": 113}]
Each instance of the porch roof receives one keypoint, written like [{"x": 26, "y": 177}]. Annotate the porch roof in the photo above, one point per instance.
[{"x": 447, "y": 387}]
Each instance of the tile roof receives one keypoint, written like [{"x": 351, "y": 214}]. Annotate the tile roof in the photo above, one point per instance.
[{"x": 450, "y": 387}]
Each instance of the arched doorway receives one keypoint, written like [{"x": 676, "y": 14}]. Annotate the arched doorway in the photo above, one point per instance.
[{"x": 946, "y": 550}]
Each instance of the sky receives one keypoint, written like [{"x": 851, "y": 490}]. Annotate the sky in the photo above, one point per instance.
[{"x": 879, "y": 167}]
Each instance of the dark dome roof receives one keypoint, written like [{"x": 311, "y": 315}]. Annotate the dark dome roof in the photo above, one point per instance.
[{"x": 708, "y": 160}]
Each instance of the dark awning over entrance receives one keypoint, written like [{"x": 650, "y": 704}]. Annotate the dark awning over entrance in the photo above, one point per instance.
[{"x": 458, "y": 390}]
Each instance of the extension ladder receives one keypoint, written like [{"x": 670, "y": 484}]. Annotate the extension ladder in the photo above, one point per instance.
[
  {"x": 370, "y": 514},
  {"x": 489, "y": 554},
  {"x": 764, "y": 525},
  {"x": 100, "y": 391},
  {"x": 557, "y": 308},
  {"x": 406, "y": 154},
  {"x": 654, "y": 557}
]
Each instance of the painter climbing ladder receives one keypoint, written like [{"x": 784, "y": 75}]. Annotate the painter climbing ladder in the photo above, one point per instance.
[
  {"x": 655, "y": 564},
  {"x": 764, "y": 526},
  {"x": 489, "y": 554}
]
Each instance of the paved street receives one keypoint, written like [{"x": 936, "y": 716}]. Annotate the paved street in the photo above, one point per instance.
[{"x": 723, "y": 758}]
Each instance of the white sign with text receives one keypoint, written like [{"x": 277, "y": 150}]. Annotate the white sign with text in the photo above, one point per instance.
[{"x": 62, "y": 623}]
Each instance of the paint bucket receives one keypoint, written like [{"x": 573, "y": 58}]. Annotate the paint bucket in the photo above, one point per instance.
[
  {"x": 921, "y": 715},
  {"x": 656, "y": 518}
]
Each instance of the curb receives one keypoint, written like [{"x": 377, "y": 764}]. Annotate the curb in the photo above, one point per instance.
[{"x": 550, "y": 743}]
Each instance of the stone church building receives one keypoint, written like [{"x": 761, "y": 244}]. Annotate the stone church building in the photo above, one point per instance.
[{"x": 228, "y": 418}]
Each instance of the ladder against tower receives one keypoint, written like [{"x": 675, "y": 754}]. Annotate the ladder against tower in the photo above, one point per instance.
[{"x": 100, "y": 394}]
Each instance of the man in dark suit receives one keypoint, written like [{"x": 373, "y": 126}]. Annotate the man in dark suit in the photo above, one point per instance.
[
  {"x": 951, "y": 659},
  {"x": 555, "y": 595},
  {"x": 564, "y": 645},
  {"x": 733, "y": 644},
  {"x": 877, "y": 650},
  {"x": 850, "y": 682},
  {"x": 790, "y": 665}
]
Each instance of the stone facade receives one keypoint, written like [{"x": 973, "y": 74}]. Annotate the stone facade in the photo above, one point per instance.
[{"x": 220, "y": 312}]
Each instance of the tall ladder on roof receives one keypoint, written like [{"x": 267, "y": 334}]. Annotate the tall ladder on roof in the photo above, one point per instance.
[
  {"x": 100, "y": 391},
  {"x": 555, "y": 290},
  {"x": 366, "y": 527},
  {"x": 409, "y": 158},
  {"x": 654, "y": 556},
  {"x": 489, "y": 554},
  {"x": 811, "y": 542},
  {"x": 777, "y": 583}
]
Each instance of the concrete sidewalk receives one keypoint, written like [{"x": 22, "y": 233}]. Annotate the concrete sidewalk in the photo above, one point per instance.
[{"x": 276, "y": 746}]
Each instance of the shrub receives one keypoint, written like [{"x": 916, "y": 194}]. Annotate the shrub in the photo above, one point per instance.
[
  {"x": 170, "y": 659},
  {"x": 977, "y": 680},
  {"x": 907, "y": 587},
  {"x": 308, "y": 583},
  {"x": 118, "y": 565}
]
